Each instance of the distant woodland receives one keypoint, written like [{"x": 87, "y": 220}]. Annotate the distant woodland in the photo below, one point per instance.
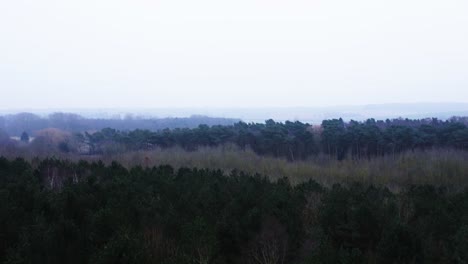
[
  {"x": 377, "y": 191},
  {"x": 290, "y": 140},
  {"x": 16, "y": 124},
  {"x": 296, "y": 140}
]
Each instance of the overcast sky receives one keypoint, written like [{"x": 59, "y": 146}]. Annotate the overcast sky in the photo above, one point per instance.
[{"x": 237, "y": 53}]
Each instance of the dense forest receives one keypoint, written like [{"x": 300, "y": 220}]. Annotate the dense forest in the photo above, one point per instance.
[
  {"x": 62, "y": 212},
  {"x": 290, "y": 140},
  {"x": 296, "y": 140},
  {"x": 393, "y": 191},
  {"x": 30, "y": 123}
]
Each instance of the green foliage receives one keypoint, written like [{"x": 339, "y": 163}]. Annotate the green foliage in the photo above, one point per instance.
[
  {"x": 291, "y": 140},
  {"x": 295, "y": 140},
  {"x": 110, "y": 214}
]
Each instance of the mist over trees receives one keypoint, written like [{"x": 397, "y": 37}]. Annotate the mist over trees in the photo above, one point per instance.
[
  {"x": 290, "y": 140},
  {"x": 16, "y": 124},
  {"x": 363, "y": 208}
]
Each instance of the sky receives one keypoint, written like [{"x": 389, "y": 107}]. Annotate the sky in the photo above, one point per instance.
[{"x": 238, "y": 53}]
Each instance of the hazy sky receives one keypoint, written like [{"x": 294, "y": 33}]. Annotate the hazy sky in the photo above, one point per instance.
[{"x": 238, "y": 53}]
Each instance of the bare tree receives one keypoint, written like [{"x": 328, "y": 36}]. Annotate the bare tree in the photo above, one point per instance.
[{"x": 270, "y": 245}]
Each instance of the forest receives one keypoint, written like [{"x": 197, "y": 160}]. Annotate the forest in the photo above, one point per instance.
[
  {"x": 374, "y": 191},
  {"x": 233, "y": 132},
  {"x": 63, "y": 212},
  {"x": 16, "y": 124},
  {"x": 290, "y": 140},
  {"x": 298, "y": 141}
]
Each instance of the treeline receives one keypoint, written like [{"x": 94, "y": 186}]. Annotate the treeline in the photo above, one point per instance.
[
  {"x": 61, "y": 212},
  {"x": 378, "y": 138},
  {"x": 296, "y": 140},
  {"x": 30, "y": 123}
]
